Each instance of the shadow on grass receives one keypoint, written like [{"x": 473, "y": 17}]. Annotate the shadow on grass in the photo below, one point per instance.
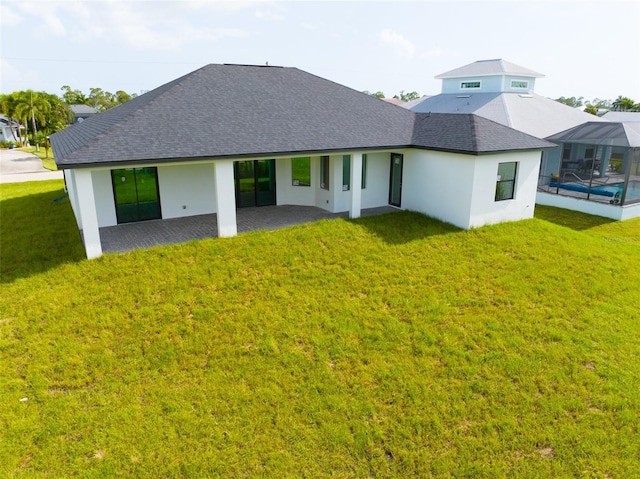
[
  {"x": 575, "y": 220},
  {"x": 405, "y": 226},
  {"x": 38, "y": 233}
]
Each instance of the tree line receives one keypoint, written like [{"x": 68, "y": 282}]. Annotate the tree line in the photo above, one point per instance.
[
  {"x": 622, "y": 103},
  {"x": 38, "y": 114}
]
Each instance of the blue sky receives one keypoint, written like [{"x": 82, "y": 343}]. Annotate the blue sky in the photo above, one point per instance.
[{"x": 584, "y": 48}]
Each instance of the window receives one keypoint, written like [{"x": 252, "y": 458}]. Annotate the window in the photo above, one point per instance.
[
  {"x": 519, "y": 84},
  {"x": 301, "y": 171},
  {"x": 465, "y": 85},
  {"x": 363, "y": 184},
  {"x": 346, "y": 172},
  {"x": 324, "y": 172},
  {"x": 506, "y": 181},
  {"x": 566, "y": 151}
]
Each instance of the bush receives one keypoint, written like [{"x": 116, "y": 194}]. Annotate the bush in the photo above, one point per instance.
[{"x": 7, "y": 144}]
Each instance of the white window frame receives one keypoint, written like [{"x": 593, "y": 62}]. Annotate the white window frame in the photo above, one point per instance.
[
  {"x": 525, "y": 87},
  {"x": 462, "y": 83}
]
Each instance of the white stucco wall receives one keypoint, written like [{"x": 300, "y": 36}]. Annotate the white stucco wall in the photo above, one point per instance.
[
  {"x": 488, "y": 84},
  {"x": 376, "y": 192},
  {"x": 484, "y": 209},
  {"x": 335, "y": 199},
  {"x": 460, "y": 189},
  {"x": 187, "y": 190},
  {"x": 439, "y": 185},
  {"x": 70, "y": 182},
  {"x": 286, "y": 192},
  {"x": 103, "y": 195},
  {"x": 105, "y": 202},
  {"x": 325, "y": 199},
  {"x": 342, "y": 198},
  {"x": 590, "y": 207}
]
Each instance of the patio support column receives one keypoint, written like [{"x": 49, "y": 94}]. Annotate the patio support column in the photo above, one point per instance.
[
  {"x": 86, "y": 202},
  {"x": 356, "y": 186},
  {"x": 225, "y": 198}
]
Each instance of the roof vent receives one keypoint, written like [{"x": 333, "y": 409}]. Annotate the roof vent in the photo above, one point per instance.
[{"x": 463, "y": 96}]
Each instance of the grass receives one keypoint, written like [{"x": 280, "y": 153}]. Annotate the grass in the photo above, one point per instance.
[
  {"x": 391, "y": 346},
  {"x": 38, "y": 231}
]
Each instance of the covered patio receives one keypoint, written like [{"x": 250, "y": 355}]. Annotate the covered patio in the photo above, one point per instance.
[{"x": 146, "y": 234}]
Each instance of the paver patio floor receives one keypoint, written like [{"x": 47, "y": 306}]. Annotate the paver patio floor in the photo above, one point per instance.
[{"x": 145, "y": 234}]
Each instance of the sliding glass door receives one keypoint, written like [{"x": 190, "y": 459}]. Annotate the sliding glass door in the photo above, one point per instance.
[
  {"x": 255, "y": 183},
  {"x": 136, "y": 194}
]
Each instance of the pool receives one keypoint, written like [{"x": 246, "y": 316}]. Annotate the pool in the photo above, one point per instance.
[
  {"x": 613, "y": 190},
  {"x": 602, "y": 190}
]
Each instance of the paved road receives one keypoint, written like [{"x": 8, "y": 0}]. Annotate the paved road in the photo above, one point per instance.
[{"x": 17, "y": 166}]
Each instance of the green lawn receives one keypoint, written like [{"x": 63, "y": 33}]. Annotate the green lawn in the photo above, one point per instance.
[{"x": 391, "y": 346}]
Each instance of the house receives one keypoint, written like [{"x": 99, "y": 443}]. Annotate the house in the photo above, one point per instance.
[
  {"x": 8, "y": 129},
  {"x": 82, "y": 112},
  {"x": 625, "y": 116},
  {"x": 245, "y": 136},
  {"x": 504, "y": 92}
]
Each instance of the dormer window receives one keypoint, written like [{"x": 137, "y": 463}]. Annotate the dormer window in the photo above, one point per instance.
[
  {"x": 470, "y": 85},
  {"x": 521, "y": 84}
]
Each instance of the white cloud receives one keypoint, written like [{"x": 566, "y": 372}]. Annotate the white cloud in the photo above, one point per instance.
[
  {"x": 403, "y": 45},
  {"x": 14, "y": 78},
  {"x": 432, "y": 53},
  {"x": 147, "y": 25},
  {"x": 268, "y": 15},
  {"x": 45, "y": 12},
  {"x": 8, "y": 16},
  {"x": 217, "y": 5}
]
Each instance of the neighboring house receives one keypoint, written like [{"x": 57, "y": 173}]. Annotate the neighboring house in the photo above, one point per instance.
[
  {"x": 394, "y": 101},
  {"x": 82, "y": 112},
  {"x": 625, "y": 116},
  {"x": 503, "y": 92},
  {"x": 8, "y": 129},
  {"x": 259, "y": 135}
]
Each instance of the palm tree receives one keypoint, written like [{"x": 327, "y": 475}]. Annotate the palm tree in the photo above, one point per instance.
[
  {"x": 622, "y": 103},
  {"x": 35, "y": 106}
]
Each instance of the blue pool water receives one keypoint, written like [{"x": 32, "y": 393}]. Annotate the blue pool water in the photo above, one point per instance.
[{"x": 633, "y": 189}]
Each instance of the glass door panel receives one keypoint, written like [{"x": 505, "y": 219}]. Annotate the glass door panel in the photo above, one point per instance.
[
  {"x": 265, "y": 179},
  {"x": 136, "y": 194},
  {"x": 395, "y": 182},
  {"x": 245, "y": 184},
  {"x": 255, "y": 182},
  {"x": 147, "y": 186},
  {"x": 126, "y": 197}
]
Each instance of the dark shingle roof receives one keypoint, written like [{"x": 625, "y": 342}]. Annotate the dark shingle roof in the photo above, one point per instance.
[
  {"x": 242, "y": 111},
  {"x": 464, "y": 133}
]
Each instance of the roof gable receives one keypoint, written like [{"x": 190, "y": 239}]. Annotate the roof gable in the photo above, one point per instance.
[
  {"x": 489, "y": 68},
  {"x": 465, "y": 133}
]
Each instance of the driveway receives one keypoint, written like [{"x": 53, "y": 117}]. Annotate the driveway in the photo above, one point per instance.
[{"x": 17, "y": 166}]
